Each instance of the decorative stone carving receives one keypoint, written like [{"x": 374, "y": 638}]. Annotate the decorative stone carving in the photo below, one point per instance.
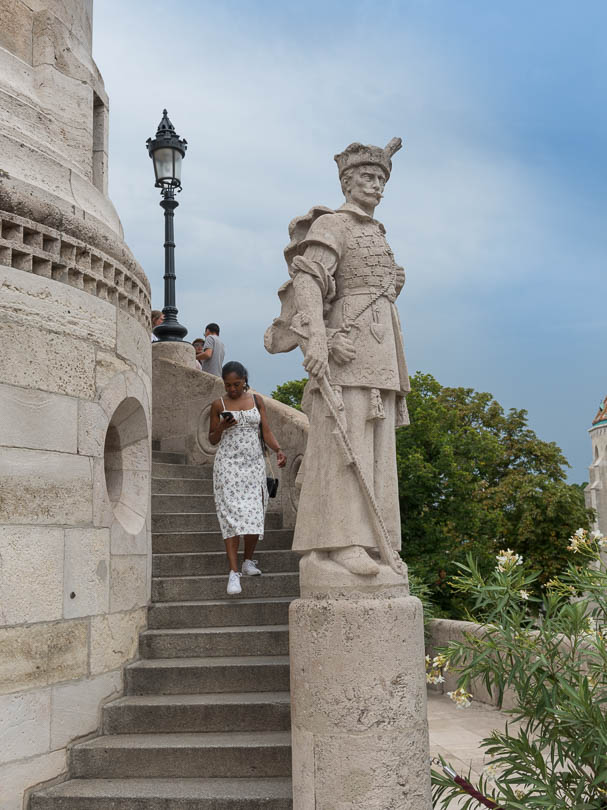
[
  {"x": 43, "y": 251},
  {"x": 339, "y": 308}
]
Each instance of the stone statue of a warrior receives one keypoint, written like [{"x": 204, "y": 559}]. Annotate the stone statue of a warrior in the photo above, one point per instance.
[{"x": 338, "y": 306}]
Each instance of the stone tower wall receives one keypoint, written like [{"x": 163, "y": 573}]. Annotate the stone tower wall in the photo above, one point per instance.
[
  {"x": 75, "y": 394},
  {"x": 596, "y": 491}
]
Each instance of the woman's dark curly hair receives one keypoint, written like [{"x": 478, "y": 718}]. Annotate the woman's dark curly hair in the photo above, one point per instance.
[{"x": 234, "y": 367}]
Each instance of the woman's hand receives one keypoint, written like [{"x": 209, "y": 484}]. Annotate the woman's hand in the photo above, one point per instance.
[
  {"x": 281, "y": 459},
  {"x": 217, "y": 423}
]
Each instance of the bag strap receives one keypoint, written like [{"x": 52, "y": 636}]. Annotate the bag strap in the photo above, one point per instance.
[
  {"x": 261, "y": 439},
  {"x": 264, "y": 448}
]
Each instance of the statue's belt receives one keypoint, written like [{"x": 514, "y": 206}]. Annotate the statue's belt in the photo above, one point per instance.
[{"x": 376, "y": 292}]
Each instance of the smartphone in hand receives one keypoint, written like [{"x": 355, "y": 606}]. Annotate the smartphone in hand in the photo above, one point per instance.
[{"x": 227, "y": 415}]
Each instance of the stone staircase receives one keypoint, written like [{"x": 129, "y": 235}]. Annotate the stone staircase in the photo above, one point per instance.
[{"x": 205, "y": 720}]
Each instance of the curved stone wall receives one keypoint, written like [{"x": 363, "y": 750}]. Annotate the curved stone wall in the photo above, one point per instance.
[
  {"x": 75, "y": 400},
  {"x": 35, "y": 248}
]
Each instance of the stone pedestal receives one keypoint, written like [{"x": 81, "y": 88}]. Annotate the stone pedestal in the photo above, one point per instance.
[
  {"x": 358, "y": 695},
  {"x": 176, "y": 350}
]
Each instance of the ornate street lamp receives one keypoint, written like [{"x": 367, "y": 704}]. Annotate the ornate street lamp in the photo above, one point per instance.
[{"x": 167, "y": 150}]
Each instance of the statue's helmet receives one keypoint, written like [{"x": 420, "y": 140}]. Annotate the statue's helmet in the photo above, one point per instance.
[{"x": 358, "y": 154}]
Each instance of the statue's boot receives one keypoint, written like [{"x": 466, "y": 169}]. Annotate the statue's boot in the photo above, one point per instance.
[{"x": 356, "y": 560}]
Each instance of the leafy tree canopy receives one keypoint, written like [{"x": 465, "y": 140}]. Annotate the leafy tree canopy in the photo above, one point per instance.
[
  {"x": 290, "y": 393},
  {"x": 473, "y": 478}
]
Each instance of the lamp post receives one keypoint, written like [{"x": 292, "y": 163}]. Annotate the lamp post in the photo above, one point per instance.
[{"x": 167, "y": 150}]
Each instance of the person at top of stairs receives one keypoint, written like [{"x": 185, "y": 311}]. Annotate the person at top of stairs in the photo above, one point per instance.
[{"x": 239, "y": 472}]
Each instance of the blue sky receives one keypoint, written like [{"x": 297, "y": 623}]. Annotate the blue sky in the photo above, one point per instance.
[{"x": 496, "y": 206}]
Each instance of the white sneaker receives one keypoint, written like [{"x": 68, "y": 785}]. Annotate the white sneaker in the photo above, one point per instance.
[
  {"x": 234, "y": 583},
  {"x": 249, "y": 567}
]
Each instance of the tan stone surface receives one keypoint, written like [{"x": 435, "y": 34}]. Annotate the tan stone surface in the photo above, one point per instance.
[
  {"x": 33, "y": 358},
  {"x": 16, "y": 21},
  {"x": 128, "y": 587},
  {"x": 31, "y": 300},
  {"x": 114, "y": 639},
  {"x": 359, "y": 725},
  {"x": 16, "y": 777},
  {"x": 42, "y": 654},
  {"x": 176, "y": 351},
  {"x": 25, "y": 723},
  {"x": 113, "y": 393},
  {"x": 107, "y": 365},
  {"x": 31, "y": 574},
  {"x": 37, "y": 419},
  {"x": 92, "y": 426},
  {"x": 76, "y": 707},
  {"x": 103, "y": 513},
  {"x": 44, "y": 488},
  {"x": 133, "y": 342},
  {"x": 87, "y": 574},
  {"x": 124, "y": 542}
]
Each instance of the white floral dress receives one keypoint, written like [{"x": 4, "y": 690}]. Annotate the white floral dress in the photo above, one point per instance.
[{"x": 239, "y": 477}]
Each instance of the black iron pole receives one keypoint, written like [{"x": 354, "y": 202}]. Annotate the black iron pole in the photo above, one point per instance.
[{"x": 170, "y": 328}]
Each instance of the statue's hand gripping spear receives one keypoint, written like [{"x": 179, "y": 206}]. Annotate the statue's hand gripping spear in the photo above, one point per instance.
[{"x": 387, "y": 553}]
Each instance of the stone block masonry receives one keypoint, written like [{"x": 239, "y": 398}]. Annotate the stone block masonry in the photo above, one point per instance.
[{"x": 75, "y": 369}]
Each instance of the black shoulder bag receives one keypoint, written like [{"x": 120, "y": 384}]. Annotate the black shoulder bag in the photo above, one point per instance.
[{"x": 271, "y": 483}]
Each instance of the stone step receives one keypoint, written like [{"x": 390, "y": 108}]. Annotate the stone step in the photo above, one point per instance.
[
  {"x": 168, "y": 458},
  {"x": 186, "y": 589},
  {"x": 199, "y": 521},
  {"x": 215, "y": 562},
  {"x": 163, "y": 504},
  {"x": 270, "y": 639},
  {"x": 191, "y": 676},
  {"x": 163, "y": 470},
  {"x": 182, "y": 486},
  {"x": 220, "y": 612},
  {"x": 166, "y": 794},
  {"x": 244, "y": 711},
  {"x": 237, "y": 754},
  {"x": 179, "y": 542}
]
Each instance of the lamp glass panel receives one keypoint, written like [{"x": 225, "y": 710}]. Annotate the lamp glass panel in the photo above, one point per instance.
[
  {"x": 163, "y": 163},
  {"x": 177, "y": 156}
]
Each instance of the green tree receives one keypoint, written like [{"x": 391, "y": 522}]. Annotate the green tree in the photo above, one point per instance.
[
  {"x": 473, "y": 478},
  {"x": 290, "y": 393}
]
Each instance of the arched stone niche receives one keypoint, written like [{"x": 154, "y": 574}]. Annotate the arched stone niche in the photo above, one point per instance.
[
  {"x": 126, "y": 464},
  {"x": 207, "y": 449}
]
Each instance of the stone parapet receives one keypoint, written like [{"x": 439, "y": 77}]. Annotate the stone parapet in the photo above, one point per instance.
[{"x": 182, "y": 401}]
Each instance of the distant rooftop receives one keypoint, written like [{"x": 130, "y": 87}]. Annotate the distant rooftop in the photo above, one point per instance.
[{"x": 601, "y": 414}]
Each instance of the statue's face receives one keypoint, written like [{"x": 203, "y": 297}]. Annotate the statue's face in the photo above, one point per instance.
[{"x": 366, "y": 186}]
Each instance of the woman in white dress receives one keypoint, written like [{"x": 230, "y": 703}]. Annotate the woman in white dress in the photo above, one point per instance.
[{"x": 239, "y": 471}]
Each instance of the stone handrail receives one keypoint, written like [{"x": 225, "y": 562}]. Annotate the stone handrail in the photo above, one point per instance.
[{"x": 182, "y": 398}]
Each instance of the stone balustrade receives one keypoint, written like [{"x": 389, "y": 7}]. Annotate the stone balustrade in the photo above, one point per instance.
[{"x": 182, "y": 398}]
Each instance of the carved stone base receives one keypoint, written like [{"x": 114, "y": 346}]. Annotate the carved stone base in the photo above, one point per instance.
[
  {"x": 320, "y": 577},
  {"x": 358, "y": 703}
]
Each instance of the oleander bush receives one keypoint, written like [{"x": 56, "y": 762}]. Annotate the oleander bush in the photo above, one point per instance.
[{"x": 550, "y": 653}]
